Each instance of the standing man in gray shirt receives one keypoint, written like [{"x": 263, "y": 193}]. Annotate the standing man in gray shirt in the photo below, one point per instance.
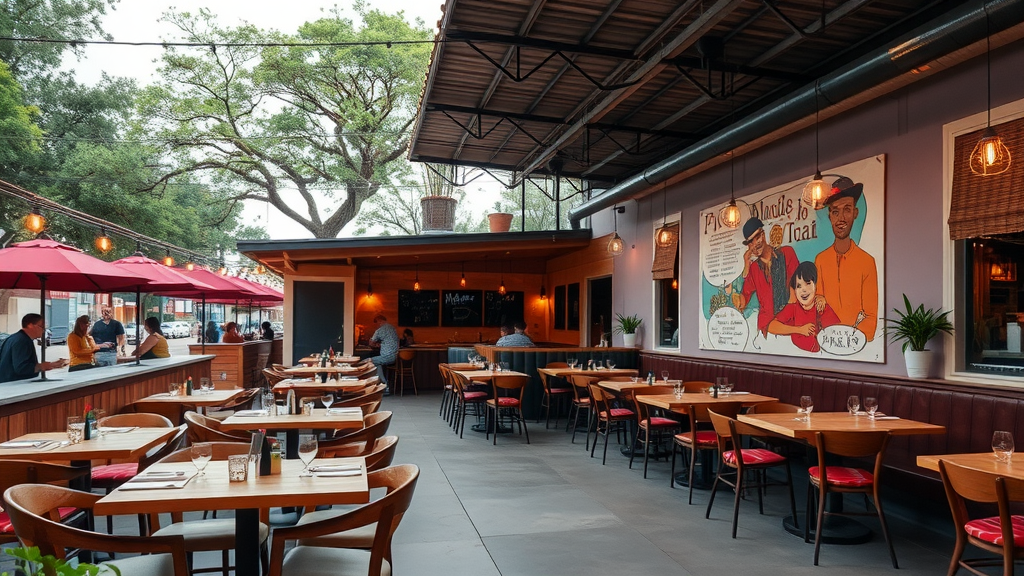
[{"x": 108, "y": 330}]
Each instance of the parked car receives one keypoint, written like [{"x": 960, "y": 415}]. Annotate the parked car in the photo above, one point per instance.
[
  {"x": 168, "y": 329},
  {"x": 183, "y": 329},
  {"x": 55, "y": 335},
  {"x": 129, "y": 332}
]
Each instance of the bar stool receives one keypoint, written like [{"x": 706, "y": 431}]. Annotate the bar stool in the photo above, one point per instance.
[{"x": 402, "y": 367}]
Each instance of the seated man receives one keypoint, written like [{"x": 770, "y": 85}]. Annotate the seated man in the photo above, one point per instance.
[
  {"x": 514, "y": 336},
  {"x": 386, "y": 339},
  {"x": 18, "y": 360}
]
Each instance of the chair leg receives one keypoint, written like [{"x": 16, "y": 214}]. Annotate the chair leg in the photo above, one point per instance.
[
  {"x": 822, "y": 493},
  {"x": 647, "y": 449},
  {"x": 526, "y": 431},
  {"x": 632, "y": 451},
  {"x": 672, "y": 471},
  {"x": 736, "y": 501},
  {"x": 807, "y": 513},
  {"x": 575, "y": 423},
  {"x": 604, "y": 456},
  {"x": 792, "y": 496},
  {"x": 598, "y": 433},
  {"x": 885, "y": 528},
  {"x": 714, "y": 489},
  {"x": 693, "y": 466}
]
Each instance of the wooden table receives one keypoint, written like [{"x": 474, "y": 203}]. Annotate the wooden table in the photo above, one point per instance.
[
  {"x": 200, "y": 401},
  {"x": 788, "y": 425},
  {"x": 214, "y": 492},
  {"x": 343, "y": 369},
  {"x": 309, "y": 360},
  {"x": 681, "y": 404},
  {"x": 120, "y": 446},
  {"x": 982, "y": 461},
  {"x": 604, "y": 372},
  {"x": 292, "y": 423},
  {"x": 487, "y": 375},
  {"x": 314, "y": 387}
]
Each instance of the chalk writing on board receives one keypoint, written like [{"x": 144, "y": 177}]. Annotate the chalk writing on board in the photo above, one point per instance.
[{"x": 461, "y": 307}]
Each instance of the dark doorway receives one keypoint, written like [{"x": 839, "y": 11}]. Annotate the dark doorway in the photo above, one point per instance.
[
  {"x": 318, "y": 317},
  {"x": 599, "y": 302}
]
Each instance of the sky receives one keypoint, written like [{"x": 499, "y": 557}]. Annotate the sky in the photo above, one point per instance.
[{"x": 138, "y": 21}]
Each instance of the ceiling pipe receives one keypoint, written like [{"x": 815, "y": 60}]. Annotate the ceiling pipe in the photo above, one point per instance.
[{"x": 955, "y": 30}]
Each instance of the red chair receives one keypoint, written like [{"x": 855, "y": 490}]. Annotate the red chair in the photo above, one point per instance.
[
  {"x": 508, "y": 400},
  {"x": 463, "y": 400},
  {"x": 607, "y": 418},
  {"x": 580, "y": 402},
  {"x": 696, "y": 439},
  {"x": 649, "y": 424},
  {"x": 557, "y": 394}
]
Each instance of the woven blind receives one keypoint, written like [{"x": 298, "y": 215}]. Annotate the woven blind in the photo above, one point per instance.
[
  {"x": 665, "y": 258},
  {"x": 987, "y": 205}
]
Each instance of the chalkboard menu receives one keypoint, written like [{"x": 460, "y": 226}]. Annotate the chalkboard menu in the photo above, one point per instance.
[
  {"x": 502, "y": 310},
  {"x": 418, "y": 308},
  {"x": 462, "y": 308},
  {"x": 560, "y": 307},
  {"x": 573, "y": 296}
]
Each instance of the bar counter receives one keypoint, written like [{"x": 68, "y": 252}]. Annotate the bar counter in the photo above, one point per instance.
[
  {"x": 33, "y": 406},
  {"x": 234, "y": 364}
]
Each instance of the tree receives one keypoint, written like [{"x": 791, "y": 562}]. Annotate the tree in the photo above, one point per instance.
[
  {"x": 21, "y": 134},
  {"x": 326, "y": 124},
  {"x": 540, "y": 204},
  {"x": 58, "y": 19},
  {"x": 396, "y": 208}
]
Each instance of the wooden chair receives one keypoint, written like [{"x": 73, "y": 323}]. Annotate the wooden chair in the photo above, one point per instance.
[
  {"x": 403, "y": 367},
  {"x": 273, "y": 376},
  {"x": 696, "y": 386},
  {"x": 559, "y": 395},
  {"x": 447, "y": 392},
  {"x": 649, "y": 423},
  {"x": 244, "y": 401},
  {"x": 15, "y": 472},
  {"x": 580, "y": 402},
  {"x": 374, "y": 426},
  {"x": 172, "y": 411},
  {"x": 995, "y": 534},
  {"x": 256, "y": 378},
  {"x": 209, "y": 534},
  {"x": 757, "y": 460},
  {"x": 606, "y": 418},
  {"x": 783, "y": 445},
  {"x": 378, "y": 453},
  {"x": 31, "y": 508},
  {"x": 508, "y": 400},
  {"x": 203, "y": 429},
  {"x": 323, "y": 545},
  {"x": 695, "y": 439},
  {"x": 844, "y": 480},
  {"x": 463, "y": 400}
]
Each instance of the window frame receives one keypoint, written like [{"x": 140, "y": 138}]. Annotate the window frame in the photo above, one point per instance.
[{"x": 674, "y": 217}]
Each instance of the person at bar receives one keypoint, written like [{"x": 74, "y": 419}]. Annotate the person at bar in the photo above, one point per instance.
[
  {"x": 385, "y": 338},
  {"x": 407, "y": 338},
  {"x": 108, "y": 331},
  {"x": 18, "y": 360},
  {"x": 231, "y": 334},
  {"x": 212, "y": 332},
  {"x": 82, "y": 346},
  {"x": 155, "y": 345},
  {"x": 513, "y": 336},
  {"x": 268, "y": 331}
]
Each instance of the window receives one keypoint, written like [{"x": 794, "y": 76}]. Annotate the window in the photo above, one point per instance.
[
  {"x": 993, "y": 305},
  {"x": 666, "y": 285}
]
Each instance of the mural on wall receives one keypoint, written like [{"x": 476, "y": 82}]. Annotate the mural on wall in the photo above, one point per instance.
[{"x": 796, "y": 281}]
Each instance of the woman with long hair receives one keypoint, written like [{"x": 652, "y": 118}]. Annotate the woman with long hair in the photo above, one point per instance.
[
  {"x": 231, "y": 334},
  {"x": 155, "y": 345},
  {"x": 82, "y": 346}
]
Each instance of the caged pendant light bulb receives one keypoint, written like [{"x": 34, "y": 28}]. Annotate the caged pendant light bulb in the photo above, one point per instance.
[
  {"x": 103, "y": 242},
  {"x": 615, "y": 245},
  {"x": 168, "y": 259},
  {"x": 730, "y": 215},
  {"x": 664, "y": 235},
  {"x": 990, "y": 155},
  {"x": 816, "y": 191}
]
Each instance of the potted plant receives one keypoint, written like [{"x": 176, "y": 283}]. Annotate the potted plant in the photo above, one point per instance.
[
  {"x": 32, "y": 563},
  {"x": 915, "y": 327},
  {"x": 627, "y": 326},
  {"x": 438, "y": 206}
]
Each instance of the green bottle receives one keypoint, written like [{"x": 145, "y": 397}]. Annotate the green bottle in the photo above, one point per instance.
[{"x": 188, "y": 386}]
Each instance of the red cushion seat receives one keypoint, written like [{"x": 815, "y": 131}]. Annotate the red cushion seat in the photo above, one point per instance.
[
  {"x": 755, "y": 457},
  {"x": 659, "y": 422},
  {"x": 990, "y": 530},
  {"x": 704, "y": 438},
  {"x": 6, "y": 527},
  {"x": 506, "y": 402},
  {"x": 618, "y": 413},
  {"x": 560, "y": 390},
  {"x": 474, "y": 395},
  {"x": 115, "y": 472},
  {"x": 844, "y": 476}
]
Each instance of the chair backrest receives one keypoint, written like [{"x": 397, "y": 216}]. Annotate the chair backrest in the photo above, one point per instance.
[
  {"x": 221, "y": 451},
  {"x": 700, "y": 413},
  {"x": 203, "y": 429},
  {"x": 14, "y": 472},
  {"x": 406, "y": 354},
  {"x": 261, "y": 361},
  {"x": 600, "y": 399},
  {"x": 376, "y": 396},
  {"x": 581, "y": 385},
  {"x": 175, "y": 443},
  {"x": 243, "y": 400},
  {"x": 852, "y": 445},
  {"x": 695, "y": 386},
  {"x": 379, "y": 453},
  {"x": 642, "y": 410},
  {"x": 773, "y": 408},
  {"x": 619, "y": 378},
  {"x": 374, "y": 426},
  {"x": 273, "y": 376},
  {"x": 510, "y": 386},
  {"x": 140, "y": 419},
  {"x": 172, "y": 411},
  {"x": 33, "y": 512}
]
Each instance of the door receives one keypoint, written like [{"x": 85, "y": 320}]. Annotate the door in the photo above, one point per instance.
[
  {"x": 599, "y": 307},
  {"x": 318, "y": 320}
]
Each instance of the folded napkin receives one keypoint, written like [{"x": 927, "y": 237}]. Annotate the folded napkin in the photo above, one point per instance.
[
  {"x": 350, "y": 378},
  {"x": 734, "y": 393},
  {"x": 117, "y": 429},
  {"x": 250, "y": 413},
  {"x": 339, "y": 474},
  {"x": 886, "y": 417},
  {"x": 157, "y": 481},
  {"x": 25, "y": 443},
  {"x": 159, "y": 477},
  {"x": 344, "y": 411},
  {"x": 336, "y": 468}
]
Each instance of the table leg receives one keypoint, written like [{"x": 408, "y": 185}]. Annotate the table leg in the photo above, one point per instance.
[
  {"x": 84, "y": 483},
  {"x": 291, "y": 444},
  {"x": 247, "y": 541}
]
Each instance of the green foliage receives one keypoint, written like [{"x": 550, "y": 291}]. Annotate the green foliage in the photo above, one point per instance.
[
  {"x": 916, "y": 326},
  {"x": 20, "y": 143},
  {"x": 49, "y": 19},
  {"x": 627, "y": 324},
  {"x": 395, "y": 209},
  {"x": 35, "y": 564}
]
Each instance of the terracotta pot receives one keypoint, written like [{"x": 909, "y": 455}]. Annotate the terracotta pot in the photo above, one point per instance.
[{"x": 500, "y": 221}]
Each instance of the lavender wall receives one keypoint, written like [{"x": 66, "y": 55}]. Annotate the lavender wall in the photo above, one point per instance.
[{"x": 905, "y": 125}]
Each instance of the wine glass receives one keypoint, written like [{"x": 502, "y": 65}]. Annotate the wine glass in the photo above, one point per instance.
[
  {"x": 327, "y": 399},
  {"x": 307, "y": 452},
  {"x": 1002, "y": 445},
  {"x": 610, "y": 364},
  {"x": 98, "y": 415},
  {"x": 202, "y": 453},
  {"x": 853, "y": 405},
  {"x": 664, "y": 376},
  {"x": 806, "y": 405},
  {"x": 205, "y": 385},
  {"x": 571, "y": 361},
  {"x": 871, "y": 405}
]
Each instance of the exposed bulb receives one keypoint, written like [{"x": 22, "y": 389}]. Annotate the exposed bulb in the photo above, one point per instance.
[
  {"x": 615, "y": 245},
  {"x": 815, "y": 192},
  {"x": 664, "y": 236},
  {"x": 35, "y": 222},
  {"x": 103, "y": 243},
  {"x": 730, "y": 215},
  {"x": 990, "y": 156},
  {"x": 462, "y": 282}
]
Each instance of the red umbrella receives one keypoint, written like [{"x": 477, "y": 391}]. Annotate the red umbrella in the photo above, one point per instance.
[
  {"x": 223, "y": 288},
  {"x": 44, "y": 264}
]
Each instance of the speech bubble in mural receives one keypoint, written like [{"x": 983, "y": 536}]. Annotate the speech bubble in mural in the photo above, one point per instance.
[
  {"x": 840, "y": 340},
  {"x": 728, "y": 329}
]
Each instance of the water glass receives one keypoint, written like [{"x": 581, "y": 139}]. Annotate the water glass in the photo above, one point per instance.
[
  {"x": 307, "y": 452},
  {"x": 610, "y": 364},
  {"x": 806, "y": 406},
  {"x": 503, "y": 366},
  {"x": 853, "y": 405},
  {"x": 871, "y": 405},
  {"x": 307, "y": 408},
  {"x": 634, "y": 379},
  {"x": 677, "y": 389},
  {"x": 726, "y": 388},
  {"x": 174, "y": 388},
  {"x": 1002, "y": 445},
  {"x": 205, "y": 385},
  {"x": 202, "y": 453},
  {"x": 571, "y": 361},
  {"x": 268, "y": 402},
  {"x": 238, "y": 467},
  {"x": 721, "y": 382},
  {"x": 664, "y": 376},
  {"x": 76, "y": 429}
]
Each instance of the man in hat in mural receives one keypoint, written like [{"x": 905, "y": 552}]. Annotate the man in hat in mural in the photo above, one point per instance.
[
  {"x": 766, "y": 273},
  {"x": 847, "y": 277}
]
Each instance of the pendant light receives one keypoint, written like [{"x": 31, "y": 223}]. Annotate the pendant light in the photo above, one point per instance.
[
  {"x": 615, "y": 245},
  {"x": 816, "y": 191},
  {"x": 35, "y": 222},
  {"x": 675, "y": 283},
  {"x": 664, "y": 235},
  {"x": 260, "y": 269},
  {"x": 190, "y": 265},
  {"x": 369, "y": 284},
  {"x": 462, "y": 281},
  {"x": 730, "y": 215},
  {"x": 990, "y": 155},
  {"x": 501, "y": 287},
  {"x": 168, "y": 259},
  {"x": 103, "y": 242},
  {"x": 416, "y": 284},
  {"x": 543, "y": 293}
]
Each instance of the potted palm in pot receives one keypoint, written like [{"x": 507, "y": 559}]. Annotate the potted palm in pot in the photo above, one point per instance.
[
  {"x": 627, "y": 326},
  {"x": 915, "y": 327}
]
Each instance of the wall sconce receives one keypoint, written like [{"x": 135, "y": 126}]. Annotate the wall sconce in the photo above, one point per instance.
[
  {"x": 35, "y": 222},
  {"x": 501, "y": 287},
  {"x": 103, "y": 242}
]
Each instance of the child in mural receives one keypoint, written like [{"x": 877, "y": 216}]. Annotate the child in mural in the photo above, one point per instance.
[
  {"x": 769, "y": 279},
  {"x": 801, "y": 319},
  {"x": 855, "y": 297}
]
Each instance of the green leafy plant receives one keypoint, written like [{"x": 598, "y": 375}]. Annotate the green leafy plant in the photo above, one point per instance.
[
  {"x": 627, "y": 324},
  {"x": 32, "y": 563},
  {"x": 916, "y": 326}
]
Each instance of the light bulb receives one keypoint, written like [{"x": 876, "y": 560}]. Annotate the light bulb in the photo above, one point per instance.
[
  {"x": 990, "y": 156},
  {"x": 190, "y": 266},
  {"x": 730, "y": 215},
  {"x": 675, "y": 284},
  {"x": 168, "y": 260},
  {"x": 815, "y": 192},
  {"x": 615, "y": 245},
  {"x": 35, "y": 222},
  {"x": 462, "y": 282},
  {"x": 501, "y": 289},
  {"x": 103, "y": 243},
  {"x": 416, "y": 286},
  {"x": 664, "y": 236},
  {"x": 223, "y": 271}
]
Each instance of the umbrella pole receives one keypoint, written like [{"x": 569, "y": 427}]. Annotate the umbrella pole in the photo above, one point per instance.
[
  {"x": 236, "y": 311},
  {"x": 42, "y": 312},
  {"x": 203, "y": 327},
  {"x": 138, "y": 323},
  {"x": 248, "y": 317}
]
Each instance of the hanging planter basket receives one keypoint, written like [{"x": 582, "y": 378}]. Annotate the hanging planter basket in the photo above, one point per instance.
[
  {"x": 499, "y": 221},
  {"x": 438, "y": 213}
]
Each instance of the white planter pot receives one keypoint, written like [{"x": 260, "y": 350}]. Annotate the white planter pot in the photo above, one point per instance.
[
  {"x": 629, "y": 340},
  {"x": 918, "y": 363}
]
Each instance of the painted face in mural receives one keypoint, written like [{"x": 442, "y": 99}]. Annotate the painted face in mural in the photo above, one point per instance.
[
  {"x": 758, "y": 243},
  {"x": 842, "y": 214},
  {"x": 804, "y": 292}
]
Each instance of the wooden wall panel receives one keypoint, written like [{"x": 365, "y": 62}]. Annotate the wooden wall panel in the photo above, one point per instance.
[
  {"x": 235, "y": 362},
  {"x": 592, "y": 262}
]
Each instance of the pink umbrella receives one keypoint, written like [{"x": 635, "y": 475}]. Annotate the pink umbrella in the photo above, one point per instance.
[
  {"x": 44, "y": 264},
  {"x": 222, "y": 287}
]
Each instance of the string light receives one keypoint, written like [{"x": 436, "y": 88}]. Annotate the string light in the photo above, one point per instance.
[
  {"x": 190, "y": 266},
  {"x": 462, "y": 281},
  {"x": 260, "y": 269},
  {"x": 168, "y": 259},
  {"x": 103, "y": 242},
  {"x": 35, "y": 222}
]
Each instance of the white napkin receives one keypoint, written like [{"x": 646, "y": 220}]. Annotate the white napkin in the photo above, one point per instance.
[
  {"x": 117, "y": 429},
  {"x": 250, "y": 413},
  {"x": 735, "y": 393},
  {"x": 157, "y": 481},
  {"x": 336, "y": 468},
  {"x": 349, "y": 378},
  {"x": 24, "y": 443},
  {"x": 339, "y": 474},
  {"x": 344, "y": 411},
  {"x": 886, "y": 417}
]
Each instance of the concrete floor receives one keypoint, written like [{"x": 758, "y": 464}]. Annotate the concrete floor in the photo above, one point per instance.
[{"x": 548, "y": 508}]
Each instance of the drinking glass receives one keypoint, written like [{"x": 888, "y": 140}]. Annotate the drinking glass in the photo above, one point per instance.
[
  {"x": 610, "y": 364},
  {"x": 202, "y": 453},
  {"x": 727, "y": 387},
  {"x": 307, "y": 408},
  {"x": 634, "y": 379},
  {"x": 268, "y": 402},
  {"x": 721, "y": 382},
  {"x": 503, "y": 366},
  {"x": 98, "y": 415},
  {"x": 677, "y": 389},
  {"x": 1002, "y": 445},
  {"x": 853, "y": 405},
  {"x": 871, "y": 405},
  {"x": 307, "y": 452},
  {"x": 806, "y": 405},
  {"x": 571, "y": 361},
  {"x": 174, "y": 388},
  {"x": 238, "y": 467},
  {"x": 327, "y": 399},
  {"x": 76, "y": 429},
  {"x": 664, "y": 376},
  {"x": 205, "y": 385}
]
